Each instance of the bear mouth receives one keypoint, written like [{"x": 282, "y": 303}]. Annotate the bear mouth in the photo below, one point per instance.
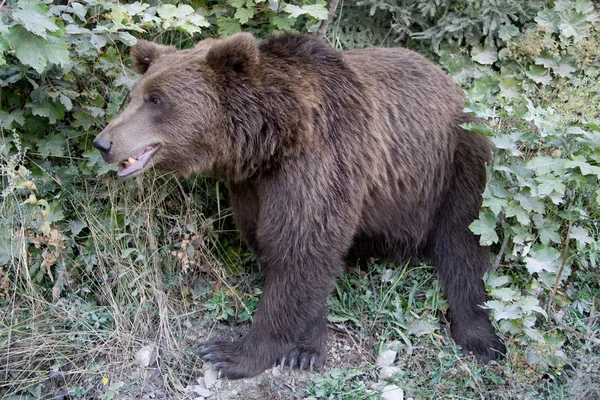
[{"x": 137, "y": 162}]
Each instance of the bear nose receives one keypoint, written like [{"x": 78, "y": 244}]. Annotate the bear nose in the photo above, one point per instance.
[{"x": 102, "y": 144}]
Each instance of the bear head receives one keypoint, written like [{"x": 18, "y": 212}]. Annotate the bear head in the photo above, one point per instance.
[{"x": 187, "y": 110}]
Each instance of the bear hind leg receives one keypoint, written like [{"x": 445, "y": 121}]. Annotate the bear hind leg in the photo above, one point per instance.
[{"x": 458, "y": 257}]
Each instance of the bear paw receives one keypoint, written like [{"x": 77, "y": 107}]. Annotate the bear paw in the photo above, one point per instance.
[
  {"x": 231, "y": 359},
  {"x": 302, "y": 358},
  {"x": 484, "y": 352}
]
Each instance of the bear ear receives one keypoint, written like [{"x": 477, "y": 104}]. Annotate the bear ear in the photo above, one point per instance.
[
  {"x": 144, "y": 53},
  {"x": 238, "y": 53}
]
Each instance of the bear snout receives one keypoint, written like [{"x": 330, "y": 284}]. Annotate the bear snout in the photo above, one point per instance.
[{"x": 103, "y": 145}]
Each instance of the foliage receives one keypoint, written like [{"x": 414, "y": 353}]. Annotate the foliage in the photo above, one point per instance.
[
  {"x": 438, "y": 21},
  {"x": 542, "y": 201}
]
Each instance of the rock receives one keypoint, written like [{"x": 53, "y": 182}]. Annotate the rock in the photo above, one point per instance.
[
  {"x": 388, "y": 372},
  {"x": 392, "y": 392},
  {"x": 146, "y": 356},
  {"x": 201, "y": 390},
  {"x": 386, "y": 358},
  {"x": 276, "y": 372},
  {"x": 210, "y": 377}
]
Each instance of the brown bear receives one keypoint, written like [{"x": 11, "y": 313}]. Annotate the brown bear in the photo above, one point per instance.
[{"x": 330, "y": 155}]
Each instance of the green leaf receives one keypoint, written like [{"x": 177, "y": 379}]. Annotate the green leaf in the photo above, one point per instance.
[
  {"x": 504, "y": 294},
  {"x": 497, "y": 281},
  {"x": 573, "y": 25},
  {"x": 29, "y": 49},
  {"x": 36, "y": 52},
  {"x": 57, "y": 52},
  {"x": 485, "y": 227},
  {"x": 547, "y": 184},
  {"x": 79, "y": 10},
  {"x": 548, "y": 19},
  {"x": 529, "y": 304},
  {"x": 51, "y": 110},
  {"x": 495, "y": 204},
  {"x": 515, "y": 210},
  {"x": 581, "y": 235},
  {"x": 484, "y": 55},
  {"x": 503, "y": 311},
  {"x": 584, "y": 167},
  {"x": 33, "y": 15},
  {"x": 530, "y": 203},
  {"x": 506, "y": 142},
  {"x": 545, "y": 165},
  {"x": 244, "y": 14},
  {"x": 508, "y": 31},
  {"x": 510, "y": 88},
  {"x": 98, "y": 41},
  {"x": 127, "y": 38},
  {"x": 317, "y": 11},
  {"x": 283, "y": 23},
  {"x": 170, "y": 11},
  {"x": 7, "y": 120},
  {"x": 543, "y": 259},
  {"x": 228, "y": 26},
  {"x": 53, "y": 145},
  {"x": 564, "y": 69},
  {"x": 539, "y": 74}
]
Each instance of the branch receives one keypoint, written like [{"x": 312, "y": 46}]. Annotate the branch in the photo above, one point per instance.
[
  {"x": 560, "y": 271},
  {"x": 325, "y": 23}
]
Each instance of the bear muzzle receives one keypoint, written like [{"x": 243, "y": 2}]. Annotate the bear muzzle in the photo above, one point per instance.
[{"x": 104, "y": 146}]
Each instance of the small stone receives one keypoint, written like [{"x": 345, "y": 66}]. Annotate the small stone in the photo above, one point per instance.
[
  {"x": 146, "y": 356},
  {"x": 347, "y": 348},
  {"x": 210, "y": 377},
  {"x": 276, "y": 372},
  {"x": 392, "y": 392},
  {"x": 201, "y": 390},
  {"x": 388, "y": 372},
  {"x": 386, "y": 358}
]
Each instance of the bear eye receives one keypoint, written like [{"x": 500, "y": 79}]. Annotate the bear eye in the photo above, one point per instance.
[{"x": 154, "y": 99}]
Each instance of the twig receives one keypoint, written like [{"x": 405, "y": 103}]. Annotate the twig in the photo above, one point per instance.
[
  {"x": 560, "y": 271},
  {"x": 500, "y": 254},
  {"x": 325, "y": 23}
]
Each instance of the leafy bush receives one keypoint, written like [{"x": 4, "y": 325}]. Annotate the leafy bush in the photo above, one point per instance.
[{"x": 539, "y": 90}]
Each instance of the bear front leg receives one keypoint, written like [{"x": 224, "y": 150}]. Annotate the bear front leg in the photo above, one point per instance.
[
  {"x": 311, "y": 347},
  {"x": 289, "y": 325},
  {"x": 304, "y": 228}
]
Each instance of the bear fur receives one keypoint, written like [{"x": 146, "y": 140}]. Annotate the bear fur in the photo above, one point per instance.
[{"x": 331, "y": 155}]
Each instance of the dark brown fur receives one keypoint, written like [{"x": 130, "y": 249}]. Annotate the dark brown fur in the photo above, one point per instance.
[{"x": 330, "y": 155}]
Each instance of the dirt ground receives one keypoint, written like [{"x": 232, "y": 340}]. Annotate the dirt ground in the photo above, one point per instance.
[{"x": 345, "y": 350}]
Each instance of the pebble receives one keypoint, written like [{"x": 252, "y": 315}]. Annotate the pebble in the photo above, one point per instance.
[
  {"x": 386, "y": 358},
  {"x": 201, "y": 390},
  {"x": 210, "y": 377},
  {"x": 388, "y": 372},
  {"x": 392, "y": 392},
  {"x": 276, "y": 372}
]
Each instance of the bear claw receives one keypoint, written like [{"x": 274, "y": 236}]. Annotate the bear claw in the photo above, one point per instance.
[{"x": 299, "y": 359}]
